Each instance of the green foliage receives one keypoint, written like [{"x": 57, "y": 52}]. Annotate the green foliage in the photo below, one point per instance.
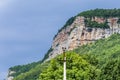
[
  {"x": 111, "y": 70},
  {"x": 47, "y": 54},
  {"x": 53, "y": 72},
  {"x": 68, "y": 23},
  {"x": 77, "y": 69},
  {"x": 105, "y": 55},
  {"x": 104, "y": 13},
  {"x": 118, "y": 21},
  {"x": 94, "y": 24},
  {"x": 23, "y": 68},
  {"x": 97, "y": 61},
  {"x": 32, "y": 74},
  {"x": 101, "y": 13}
]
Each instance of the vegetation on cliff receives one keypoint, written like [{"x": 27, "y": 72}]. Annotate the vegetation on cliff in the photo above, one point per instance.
[
  {"x": 101, "y": 13},
  {"x": 47, "y": 54},
  {"x": 95, "y": 61},
  {"x": 23, "y": 68},
  {"x": 68, "y": 23},
  {"x": 32, "y": 74},
  {"x": 94, "y": 24},
  {"x": 98, "y": 61}
]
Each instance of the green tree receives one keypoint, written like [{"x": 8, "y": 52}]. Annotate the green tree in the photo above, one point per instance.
[
  {"x": 111, "y": 70},
  {"x": 77, "y": 69}
]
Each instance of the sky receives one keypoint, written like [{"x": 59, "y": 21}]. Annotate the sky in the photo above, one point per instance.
[{"x": 27, "y": 27}]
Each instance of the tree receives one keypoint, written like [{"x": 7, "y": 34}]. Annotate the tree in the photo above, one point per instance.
[
  {"x": 111, "y": 70},
  {"x": 77, "y": 69}
]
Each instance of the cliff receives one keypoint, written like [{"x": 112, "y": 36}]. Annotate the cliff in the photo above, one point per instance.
[
  {"x": 79, "y": 33},
  {"x": 10, "y": 77},
  {"x": 84, "y": 28}
]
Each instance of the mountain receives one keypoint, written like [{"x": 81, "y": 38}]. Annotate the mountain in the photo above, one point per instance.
[
  {"x": 89, "y": 25},
  {"x": 94, "y": 35},
  {"x": 97, "y": 61}
]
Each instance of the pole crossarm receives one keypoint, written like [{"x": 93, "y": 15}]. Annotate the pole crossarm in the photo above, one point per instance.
[{"x": 64, "y": 60}]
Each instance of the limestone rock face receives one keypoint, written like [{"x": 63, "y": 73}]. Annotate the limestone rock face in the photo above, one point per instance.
[
  {"x": 78, "y": 34},
  {"x": 9, "y": 75},
  {"x": 10, "y": 78}
]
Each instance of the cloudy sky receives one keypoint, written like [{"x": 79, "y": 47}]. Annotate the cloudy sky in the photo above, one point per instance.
[{"x": 27, "y": 27}]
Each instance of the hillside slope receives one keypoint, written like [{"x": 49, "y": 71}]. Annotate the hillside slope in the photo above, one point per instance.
[
  {"x": 96, "y": 61},
  {"x": 17, "y": 70}
]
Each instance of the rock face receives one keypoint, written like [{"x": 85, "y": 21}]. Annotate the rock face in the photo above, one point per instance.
[
  {"x": 9, "y": 75},
  {"x": 78, "y": 34},
  {"x": 10, "y": 78}
]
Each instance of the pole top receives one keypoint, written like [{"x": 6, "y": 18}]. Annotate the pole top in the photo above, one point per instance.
[{"x": 64, "y": 49}]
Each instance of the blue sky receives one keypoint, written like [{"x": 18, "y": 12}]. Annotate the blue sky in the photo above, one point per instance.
[{"x": 27, "y": 27}]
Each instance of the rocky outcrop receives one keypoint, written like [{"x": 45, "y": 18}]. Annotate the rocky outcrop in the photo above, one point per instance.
[
  {"x": 78, "y": 34},
  {"x": 10, "y": 78},
  {"x": 9, "y": 75}
]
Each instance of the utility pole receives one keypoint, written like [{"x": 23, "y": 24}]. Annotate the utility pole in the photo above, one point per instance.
[
  {"x": 64, "y": 63},
  {"x": 64, "y": 58}
]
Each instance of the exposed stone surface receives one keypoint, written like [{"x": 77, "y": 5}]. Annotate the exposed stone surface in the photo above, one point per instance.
[
  {"x": 78, "y": 34},
  {"x": 9, "y": 75},
  {"x": 10, "y": 78}
]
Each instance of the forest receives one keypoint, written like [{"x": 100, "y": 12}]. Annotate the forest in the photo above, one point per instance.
[{"x": 101, "y": 13}]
